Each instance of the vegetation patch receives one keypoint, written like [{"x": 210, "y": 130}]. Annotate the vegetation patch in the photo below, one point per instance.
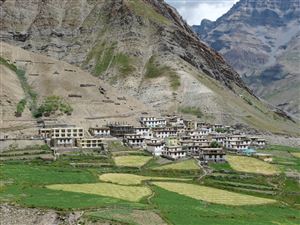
[
  {"x": 20, "y": 107},
  {"x": 251, "y": 165},
  {"x": 131, "y": 179},
  {"x": 128, "y": 193},
  {"x": 190, "y": 164},
  {"x": 154, "y": 70},
  {"x": 182, "y": 210},
  {"x": 143, "y": 9},
  {"x": 195, "y": 111},
  {"x": 131, "y": 160},
  {"x": 105, "y": 57},
  {"x": 31, "y": 95},
  {"x": 212, "y": 195},
  {"x": 296, "y": 154},
  {"x": 53, "y": 104}
]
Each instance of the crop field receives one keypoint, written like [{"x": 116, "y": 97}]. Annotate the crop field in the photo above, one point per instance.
[
  {"x": 212, "y": 195},
  {"x": 131, "y": 160},
  {"x": 128, "y": 193},
  {"x": 190, "y": 164},
  {"x": 161, "y": 192},
  {"x": 296, "y": 154},
  {"x": 132, "y": 179},
  {"x": 251, "y": 165},
  {"x": 182, "y": 210}
]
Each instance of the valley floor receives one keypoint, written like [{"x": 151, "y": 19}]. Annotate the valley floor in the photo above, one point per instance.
[{"x": 90, "y": 189}]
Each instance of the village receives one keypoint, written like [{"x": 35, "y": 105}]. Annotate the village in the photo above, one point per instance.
[{"x": 170, "y": 137}]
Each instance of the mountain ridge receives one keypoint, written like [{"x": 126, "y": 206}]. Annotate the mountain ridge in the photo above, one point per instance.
[
  {"x": 260, "y": 39},
  {"x": 145, "y": 50}
]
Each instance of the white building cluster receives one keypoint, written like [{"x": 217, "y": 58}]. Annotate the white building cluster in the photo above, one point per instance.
[{"x": 171, "y": 137}]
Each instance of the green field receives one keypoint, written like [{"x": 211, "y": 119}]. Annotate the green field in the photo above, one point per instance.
[{"x": 162, "y": 192}]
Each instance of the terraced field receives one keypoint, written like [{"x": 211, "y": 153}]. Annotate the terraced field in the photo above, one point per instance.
[
  {"x": 131, "y": 160},
  {"x": 190, "y": 164},
  {"x": 212, "y": 195},
  {"x": 128, "y": 193},
  {"x": 251, "y": 165},
  {"x": 132, "y": 179},
  {"x": 172, "y": 193}
]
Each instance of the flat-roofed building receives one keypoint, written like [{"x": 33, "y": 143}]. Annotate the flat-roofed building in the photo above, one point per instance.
[
  {"x": 90, "y": 143},
  {"x": 45, "y": 132},
  {"x": 134, "y": 141},
  {"x": 119, "y": 130},
  {"x": 174, "y": 152},
  {"x": 153, "y": 122},
  {"x": 155, "y": 146},
  {"x": 211, "y": 155},
  {"x": 164, "y": 132},
  {"x": 237, "y": 142},
  {"x": 100, "y": 131},
  {"x": 258, "y": 142},
  {"x": 62, "y": 142},
  {"x": 67, "y": 132},
  {"x": 144, "y": 132}
]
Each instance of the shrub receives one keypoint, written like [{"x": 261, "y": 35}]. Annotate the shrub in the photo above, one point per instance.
[
  {"x": 53, "y": 104},
  {"x": 20, "y": 107},
  {"x": 192, "y": 110},
  {"x": 154, "y": 70}
]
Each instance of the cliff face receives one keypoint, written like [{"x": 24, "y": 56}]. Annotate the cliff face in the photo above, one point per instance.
[
  {"x": 141, "y": 47},
  {"x": 260, "y": 39}
]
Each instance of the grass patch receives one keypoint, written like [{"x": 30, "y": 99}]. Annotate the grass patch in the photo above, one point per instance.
[
  {"x": 131, "y": 179},
  {"x": 131, "y": 160},
  {"x": 221, "y": 166},
  {"x": 30, "y": 94},
  {"x": 296, "y": 154},
  {"x": 190, "y": 164},
  {"x": 127, "y": 193},
  {"x": 145, "y": 10},
  {"x": 124, "y": 64},
  {"x": 191, "y": 111},
  {"x": 154, "y": 70},
  {"x": 21, "y": 107},
  {"x": 105, "y": 57},
  {"x": 282, "y": 148},
  {"x": 182, "y": 210},
  {"x": 36, "y": 174},
  {"x": 212, "y": 195},
  {"x": 251, "y": 165},
  {"x": 53, "y": 104}
]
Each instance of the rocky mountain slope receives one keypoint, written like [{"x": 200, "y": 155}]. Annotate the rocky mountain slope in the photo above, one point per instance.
[
  {"x": 144, "y": 49},
  {"x": 93, "y": 101},
  {"x": 261, "y": 40}
]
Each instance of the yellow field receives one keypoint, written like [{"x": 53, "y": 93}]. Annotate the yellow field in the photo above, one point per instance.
[
  {"x": 212, "y": 195},
  {"x": 190, "y": 164},
  {"x": 131, "y": 179},
  {"x": 131, "y": 160},
  {"x": 296, "y": 154},
  {"x": 251, "y": 165},
  {"x": 128, "y": 193}
]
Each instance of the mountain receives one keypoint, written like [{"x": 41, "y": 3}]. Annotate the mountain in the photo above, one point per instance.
[
  {"x": 261, "y": 40},
  {"x": 93, "y": 101},
  {"x": 145, "y": 50}
]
